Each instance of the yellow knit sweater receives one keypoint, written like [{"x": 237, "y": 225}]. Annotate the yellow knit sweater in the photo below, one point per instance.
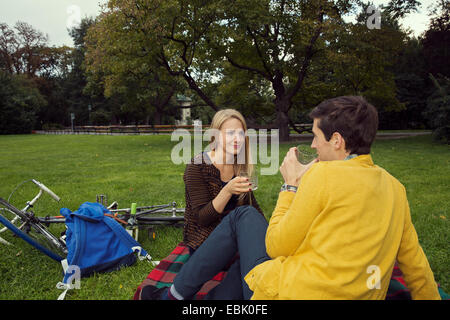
[{"x": 339, "y": 236}]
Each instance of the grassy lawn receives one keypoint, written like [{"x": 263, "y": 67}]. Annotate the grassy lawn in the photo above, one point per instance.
[{"x": 139, "y": 169}]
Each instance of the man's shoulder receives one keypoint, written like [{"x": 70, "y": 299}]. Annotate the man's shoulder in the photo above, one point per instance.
[
  {"x": 317, "y": 170},
  {"x": 394, "y": 180}
]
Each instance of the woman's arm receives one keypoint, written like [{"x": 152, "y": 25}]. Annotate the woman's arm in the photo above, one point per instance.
[
  {"x": 221, "y": 200},
  {"x": 235, "y": 186},
  {"x": 198, "y": 192},
  {"x": 198, "y": 195}
]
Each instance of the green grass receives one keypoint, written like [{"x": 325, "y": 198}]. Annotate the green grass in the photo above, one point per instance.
[{"x": 139, "y": 169}]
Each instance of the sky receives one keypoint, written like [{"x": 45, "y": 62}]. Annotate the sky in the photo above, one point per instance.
[{"x": 52, "y": 17}]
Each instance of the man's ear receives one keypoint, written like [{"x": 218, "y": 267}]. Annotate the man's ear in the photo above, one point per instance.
[{"x": 337, "y": 141}]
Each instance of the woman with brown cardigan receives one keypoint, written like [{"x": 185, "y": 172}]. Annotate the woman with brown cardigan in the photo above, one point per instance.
[{"x": 214, "y": 188}]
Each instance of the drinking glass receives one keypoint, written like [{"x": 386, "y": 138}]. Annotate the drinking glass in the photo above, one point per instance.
[
  {"x": 252, "y": 178},
  {"x": 305, "y": 154}
]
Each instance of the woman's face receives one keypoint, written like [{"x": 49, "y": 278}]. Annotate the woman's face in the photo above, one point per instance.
[{"x": 232, "y": 136}]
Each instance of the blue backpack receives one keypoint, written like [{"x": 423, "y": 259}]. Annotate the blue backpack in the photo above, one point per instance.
[{"x": 95, "y": 243}]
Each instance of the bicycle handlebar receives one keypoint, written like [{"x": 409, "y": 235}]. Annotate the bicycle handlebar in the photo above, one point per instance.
[{"x": 44, "y": 188}]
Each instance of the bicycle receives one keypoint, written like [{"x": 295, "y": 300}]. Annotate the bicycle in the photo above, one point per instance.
[
  {"x": 35, "y": 230},
  {"x": 24, "y": 224}
]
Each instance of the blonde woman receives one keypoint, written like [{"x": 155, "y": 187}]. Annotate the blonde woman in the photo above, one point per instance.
[
  {"x": 212, "y": 183},
  {"x": 213, "y": 190}
]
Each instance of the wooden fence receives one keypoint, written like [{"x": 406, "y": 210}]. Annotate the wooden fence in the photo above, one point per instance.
[{"x": 147, "y": 129}]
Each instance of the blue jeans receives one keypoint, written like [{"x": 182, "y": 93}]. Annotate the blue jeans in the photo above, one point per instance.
[{"x": 243, "y": 230}]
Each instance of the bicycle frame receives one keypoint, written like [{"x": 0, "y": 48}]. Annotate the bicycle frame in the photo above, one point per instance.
[
  {"x": 31, "y": 203},
  {"x": 142, "y": 215},
  {"x": 30, "y": 222}
]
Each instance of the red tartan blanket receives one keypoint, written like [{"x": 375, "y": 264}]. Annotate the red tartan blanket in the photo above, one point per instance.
[{"x": 164, "y": 273}]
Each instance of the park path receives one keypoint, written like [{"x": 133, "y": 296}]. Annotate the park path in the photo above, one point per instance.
[{"x": 380, "y": 135}]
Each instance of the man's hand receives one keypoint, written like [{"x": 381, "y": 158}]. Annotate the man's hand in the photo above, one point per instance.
[{"x": 292, "y": 170}]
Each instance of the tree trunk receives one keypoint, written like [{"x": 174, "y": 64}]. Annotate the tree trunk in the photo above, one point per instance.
[
  {"x": 157, "y": 117},
  {"x": 282, "y": 103},
  {"x": 282, "y": 122}
]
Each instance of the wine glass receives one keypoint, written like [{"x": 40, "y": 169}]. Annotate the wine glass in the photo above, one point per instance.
[
  {"x": 252, "y": 178},
  {"x": 305, "y": 154}
]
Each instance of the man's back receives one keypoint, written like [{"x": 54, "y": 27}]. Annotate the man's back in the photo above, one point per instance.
[{"x": 342, "y": 233}]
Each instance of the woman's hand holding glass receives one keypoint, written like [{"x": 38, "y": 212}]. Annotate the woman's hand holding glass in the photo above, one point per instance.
[
  {"x": 238, "y": 185},
  {"x": 252, "y": 178}
]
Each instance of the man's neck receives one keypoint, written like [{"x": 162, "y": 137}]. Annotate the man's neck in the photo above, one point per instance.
[
  {"x": 342, "y": 155},
  {"x": 351, "y": 156}
]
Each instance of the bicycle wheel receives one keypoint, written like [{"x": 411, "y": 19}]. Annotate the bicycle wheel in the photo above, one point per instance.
[{"x": 32, "y": 231}]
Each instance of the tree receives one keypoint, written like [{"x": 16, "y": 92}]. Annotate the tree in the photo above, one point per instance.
[
  {"x": 22, "y": 49},
  {"x": 436, "y": 43},
  {"x": 283, "y": 43},
  {"x": 436, "y": 40},
  {"x": 413, "y": 87},
  {"x": 246, "y": 92},
  {"x": 277, "y": 40},
  {"x": 274, "y": 43},
  {"x": 20, "y": 102},
  {"x": 8, "y": 45},
  {"x": 114, "y": 57},
  {"x": 191, "y": 39},
  {"x": 357, "y": 61},
  {"x": 74, "y": 83},
  {"x": 438, "y": 109}
]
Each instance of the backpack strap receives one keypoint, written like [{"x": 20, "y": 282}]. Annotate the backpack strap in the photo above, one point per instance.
[
  {"x": 126, "y": 238},
  {"x": 79, "y": 229}
]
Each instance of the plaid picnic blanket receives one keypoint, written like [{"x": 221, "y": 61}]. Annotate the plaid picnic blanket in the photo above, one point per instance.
[
  {"x": 164, "y": 274},
  {"x": 397, "y": 287}
]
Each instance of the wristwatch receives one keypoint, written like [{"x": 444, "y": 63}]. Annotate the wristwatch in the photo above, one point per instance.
[{"x": 288, "y": 187}]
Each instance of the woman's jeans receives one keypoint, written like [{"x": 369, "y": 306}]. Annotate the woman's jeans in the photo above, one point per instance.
[{"x": 243, "y": 230}]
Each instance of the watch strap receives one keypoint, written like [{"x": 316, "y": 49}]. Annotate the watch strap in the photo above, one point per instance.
[{"x": 287, "y": 187}]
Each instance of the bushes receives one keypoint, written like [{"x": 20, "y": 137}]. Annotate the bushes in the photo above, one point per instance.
[
  {"x": 20, "y": 101},
  {"x": 52, "y": 126},
  {"x": 438, "y": 109},
  {"x": 101, "y": 117}
]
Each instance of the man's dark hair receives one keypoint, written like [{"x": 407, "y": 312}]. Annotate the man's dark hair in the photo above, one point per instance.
[{"x": 351, "y": 116}]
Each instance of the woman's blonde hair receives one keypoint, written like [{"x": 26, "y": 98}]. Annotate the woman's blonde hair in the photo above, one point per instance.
[{"x": 219, "y": 118}]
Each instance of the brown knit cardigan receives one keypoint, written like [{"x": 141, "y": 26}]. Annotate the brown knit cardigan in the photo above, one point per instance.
[{"x": 202, "y": 184}]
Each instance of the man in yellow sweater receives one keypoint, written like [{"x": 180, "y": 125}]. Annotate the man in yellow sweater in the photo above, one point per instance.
[
  {"x": 338, "y": 228},
  {"x": 339, "y": 235}
]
